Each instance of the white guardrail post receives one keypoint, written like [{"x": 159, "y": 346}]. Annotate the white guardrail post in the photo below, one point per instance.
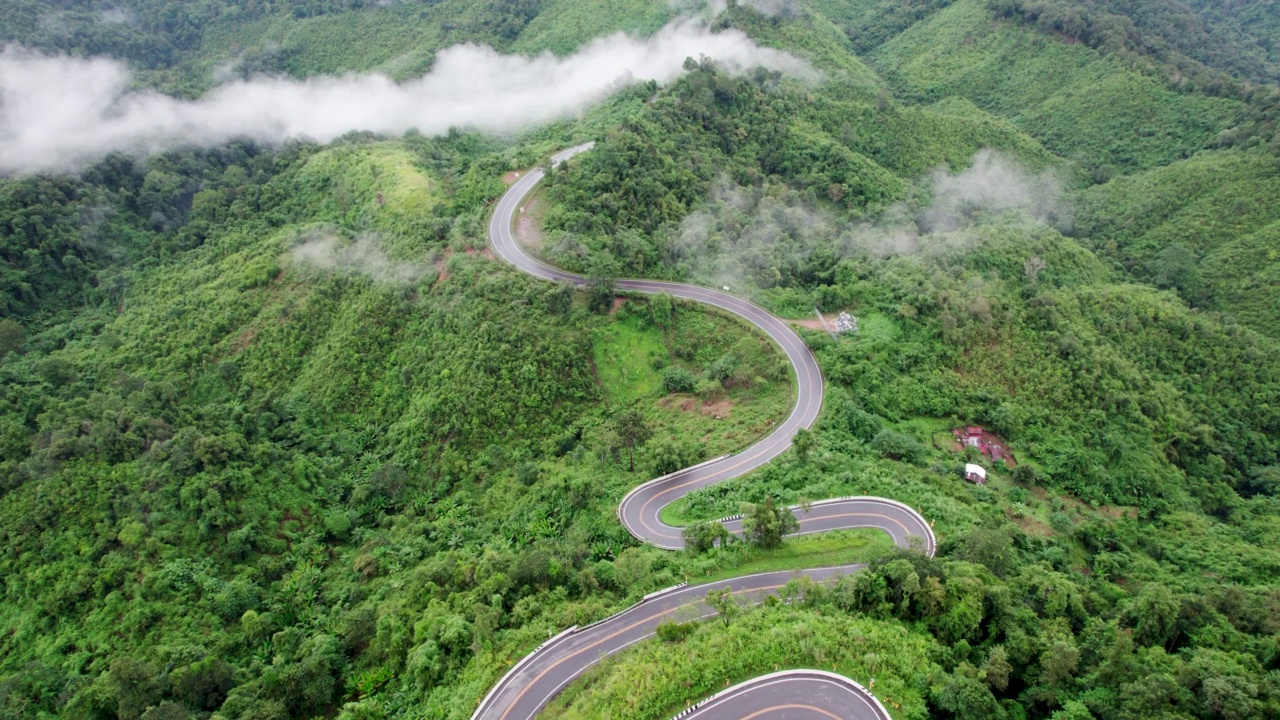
[
  {"x": 656, "y": 480},
  {"x": 799, "y": 673},
  {"x": 805, "y": 354},
  {"x": 484, "y": 704}
]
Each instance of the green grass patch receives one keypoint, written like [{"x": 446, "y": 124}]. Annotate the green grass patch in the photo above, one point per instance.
[
  {"x": 624, "y": 351},
  {"x": 935, "y": 432},
  {"x": 725, "y": 419},
  {"x": 1077, "y": 101},
  {"x": 877, "y": 326},
  {"x": 727, "y": 422},
  {"x": 658, "y": 679},
  {"x": 839, "y": 547},
  {"x": 562, "y": 26}
]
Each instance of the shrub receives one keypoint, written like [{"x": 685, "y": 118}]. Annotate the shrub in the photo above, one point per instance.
[
  {"x": 677, "y": 380},
  {"x": 898, "y": 446},
  {"x": 1026, "y": 475},
  {"x": 674, "y": 632},
  {"x": 528, "y": 473},
  {"x": 766, "y": 523},
  {"x": 857, "y": 422},
  {"x": 707, "y": 388},
  {"x": 723, "y": 368},
  {"x": 703, "y": 536},
  {"x": 669, "y": 454}
]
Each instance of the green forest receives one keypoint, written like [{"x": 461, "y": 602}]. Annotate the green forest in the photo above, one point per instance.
[{"x": 281, "y": 438}]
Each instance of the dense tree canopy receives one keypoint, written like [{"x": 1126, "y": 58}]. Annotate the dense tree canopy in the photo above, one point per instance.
[{"x": 278, "y": 438}]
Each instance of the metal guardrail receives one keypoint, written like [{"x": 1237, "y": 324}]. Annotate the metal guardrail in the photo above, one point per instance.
[
  {"x": 819, "y": 674},
  {"x": 657, "y": 480},
  {"x": 484, "y": 704},
  {"x": 544, "y": 647}
]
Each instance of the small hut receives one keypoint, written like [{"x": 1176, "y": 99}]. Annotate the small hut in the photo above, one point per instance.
[{"x": 975, "y": 474}]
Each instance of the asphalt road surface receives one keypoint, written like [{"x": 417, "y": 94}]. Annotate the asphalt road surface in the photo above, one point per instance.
[
  {"x": 798, "y": 695},
  {"x": 790, "y": 695},
  {"x": 546, "y": 672}
]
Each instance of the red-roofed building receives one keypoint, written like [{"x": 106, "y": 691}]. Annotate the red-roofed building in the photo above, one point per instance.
[{"x": 987, "y": 443}]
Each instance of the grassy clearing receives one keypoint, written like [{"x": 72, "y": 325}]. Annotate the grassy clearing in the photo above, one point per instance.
[
  {"x": 658, "y": 679},
  {"x": 877, "y": 326},
  {"x": 933, "y": 431},
  {"x": 630, "y": 351},
  {"x": 624, "y": 352},
  {"x": 840, "y": 547},
  {"x": 727, "y": 423}
]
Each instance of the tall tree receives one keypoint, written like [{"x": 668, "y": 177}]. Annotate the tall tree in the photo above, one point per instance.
[
  {"x": 601, "y": 284},
  {"x": 662, "y": 307},
  {"x": 724, "y": 603},
  {"x": 632, "y": 430},
  {"x": 766, "y": 523},
  {"x": 703, "y": 536},
  {"x": 803, "y": 443}
]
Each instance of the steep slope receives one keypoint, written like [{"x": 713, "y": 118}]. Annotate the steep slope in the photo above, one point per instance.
[
  {"x": 1078, "y": 102},
  {"x": 278, "y": 439},
  {"x": 1203, "y": 226}
]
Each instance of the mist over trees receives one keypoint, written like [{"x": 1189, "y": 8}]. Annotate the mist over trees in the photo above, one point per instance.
[{"x": 278, "y": 439}]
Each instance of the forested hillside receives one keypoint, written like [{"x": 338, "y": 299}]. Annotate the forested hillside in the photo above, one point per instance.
[{"x": 280, "y": 438}]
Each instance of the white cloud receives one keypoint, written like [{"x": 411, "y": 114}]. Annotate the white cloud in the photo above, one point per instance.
[
  {"x": 745, "y": 234},
  {"x": 993, "y": 183},
  {"x": 364, "y": 256},
  {"x": 60, "y": 113}
]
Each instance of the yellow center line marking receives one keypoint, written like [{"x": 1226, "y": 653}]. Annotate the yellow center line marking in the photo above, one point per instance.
[
  {"x": 607, "y": 638},
  {"x": 895, "y": 521},
  {"x": 819, "y": 710},
  {"x": 761, "y": 451}
]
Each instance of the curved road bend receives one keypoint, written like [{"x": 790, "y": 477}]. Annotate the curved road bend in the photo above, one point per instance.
[
  {"x": 540, "y": 676},
  {"x": 790, "y": 695}
]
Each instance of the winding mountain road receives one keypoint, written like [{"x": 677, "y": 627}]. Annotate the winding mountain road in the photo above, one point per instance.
[{"x": 796, "y": 694}]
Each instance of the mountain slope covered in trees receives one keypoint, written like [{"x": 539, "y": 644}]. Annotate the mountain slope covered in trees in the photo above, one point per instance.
[{"x": 279, "y": 439}]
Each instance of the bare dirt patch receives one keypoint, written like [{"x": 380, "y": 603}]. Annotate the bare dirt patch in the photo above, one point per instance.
[
  {"x": 719, "y": 409},
  {"x": 618, "y": 302},
  {"x": 811, "y": 324},
  {"x": 814, "y": 323},
  {"x": 442, "y": 272},
  {"x": 529, "y": 223},
  {"x": 484, "y": 251},
  {"x": 511, "y": 177},
  {"x": 683, "y": 403},
  {"x": 244, "y": 340}
]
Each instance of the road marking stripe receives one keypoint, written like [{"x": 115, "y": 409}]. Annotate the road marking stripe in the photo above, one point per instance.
[
  {"x": 608, "y": 637},
  {"x": 792, "y": 706},
  {"x": 809, "y": 388}
]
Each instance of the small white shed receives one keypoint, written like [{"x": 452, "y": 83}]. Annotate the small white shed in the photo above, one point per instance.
[{"x": 975, "y": 474}]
